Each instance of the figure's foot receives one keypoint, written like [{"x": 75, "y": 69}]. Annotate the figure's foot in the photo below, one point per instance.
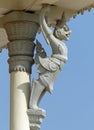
[
  {"x": 36, "y": 108},
  {"x": 40, "y": 109}
]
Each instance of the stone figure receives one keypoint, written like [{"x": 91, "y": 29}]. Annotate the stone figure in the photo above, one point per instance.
[{"x": 49, "y": 67}]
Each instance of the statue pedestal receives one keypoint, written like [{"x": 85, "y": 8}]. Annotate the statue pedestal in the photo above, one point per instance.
[{"x": 35, "y": 118}]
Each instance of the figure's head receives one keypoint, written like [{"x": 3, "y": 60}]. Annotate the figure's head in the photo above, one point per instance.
[
  {"x": 61, "y": 30},
  {"x": 62, "y": 33}
]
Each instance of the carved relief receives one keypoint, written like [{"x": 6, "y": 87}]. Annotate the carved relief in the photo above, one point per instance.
[
  {"x": 35, "y": 118},
  {"x": 49, "y": 67},
  {"x": 21, "y": 34}
]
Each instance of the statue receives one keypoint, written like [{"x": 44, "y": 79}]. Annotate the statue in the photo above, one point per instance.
[{"x": 49, "y": 67}]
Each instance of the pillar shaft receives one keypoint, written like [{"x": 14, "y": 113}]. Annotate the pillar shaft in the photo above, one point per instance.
[
  {"x": 19, "y": 96},
  {"x": 21, "y": 33}
]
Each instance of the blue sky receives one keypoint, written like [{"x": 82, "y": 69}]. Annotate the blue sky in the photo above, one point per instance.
[{"x": 71, "y": 106}]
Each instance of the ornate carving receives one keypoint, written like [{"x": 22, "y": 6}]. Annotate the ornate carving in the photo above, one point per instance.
[
  {"x": 35, "y": 118},
  {"x": 21, "y": 33},
  {"x": 20, "y": 63},
  {"x": 21, "y": 48},
  {"x": 49, "y": 67},
  {"x": 21, "y": 30},
  {"x": 21, "y": 55}
]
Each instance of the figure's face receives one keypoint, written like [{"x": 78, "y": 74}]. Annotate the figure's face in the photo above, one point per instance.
[
  {"x": 62, "y": 33},
  {"x": 65, "y": 32}
]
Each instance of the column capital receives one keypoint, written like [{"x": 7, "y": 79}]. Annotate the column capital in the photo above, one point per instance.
[
  {"x": 20, "y": 16},
  {"x": 21, "y": 25},
  {"x": 21, "y": 55},
  {"x": 21, "y": 28}
]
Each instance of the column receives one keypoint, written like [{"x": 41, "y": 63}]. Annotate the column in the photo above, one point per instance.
[{"x": 21, "y": 28}]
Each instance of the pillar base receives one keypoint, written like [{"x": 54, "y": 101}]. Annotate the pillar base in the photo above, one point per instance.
[{"x": 35, "y": 118}]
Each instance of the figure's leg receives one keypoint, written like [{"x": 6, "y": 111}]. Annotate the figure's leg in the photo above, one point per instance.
[
  {"x": 42, "y": 94},
  {"x": 36, "y": 93}
]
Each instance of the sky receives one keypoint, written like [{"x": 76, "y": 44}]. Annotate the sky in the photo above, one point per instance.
[{"x": 71, "y": 106}]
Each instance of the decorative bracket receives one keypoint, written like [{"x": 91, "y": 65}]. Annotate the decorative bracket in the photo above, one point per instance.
[{"x": 48, "y": 67}]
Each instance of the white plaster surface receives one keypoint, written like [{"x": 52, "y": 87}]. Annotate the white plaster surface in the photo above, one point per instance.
[{"x": 20, "y": 87}]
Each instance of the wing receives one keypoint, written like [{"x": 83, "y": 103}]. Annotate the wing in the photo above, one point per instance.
[{"x": 47, "y": 64}]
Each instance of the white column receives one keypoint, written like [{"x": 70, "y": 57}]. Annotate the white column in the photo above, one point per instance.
[
  {"x": 19, "y": 96},
  {"x": 21, "y": 28}
]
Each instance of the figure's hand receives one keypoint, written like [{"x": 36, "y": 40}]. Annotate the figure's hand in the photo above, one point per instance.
[{"x": 46, "y": 8}]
